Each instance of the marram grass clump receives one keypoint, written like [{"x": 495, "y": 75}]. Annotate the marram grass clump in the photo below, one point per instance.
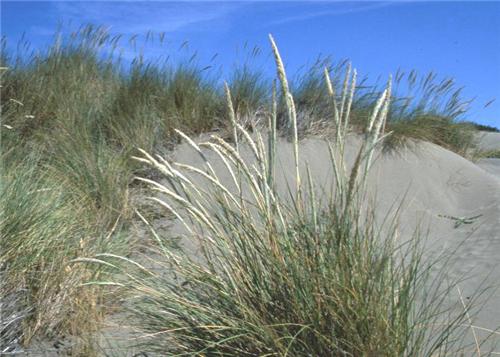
[
  {"x": 44, "y": 227},
  {"x": 74, "y": 113},
  {"x": 281, "y": 275}
]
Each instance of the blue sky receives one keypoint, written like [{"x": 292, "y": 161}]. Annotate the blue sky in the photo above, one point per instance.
[{"x": 454, "y": 39}]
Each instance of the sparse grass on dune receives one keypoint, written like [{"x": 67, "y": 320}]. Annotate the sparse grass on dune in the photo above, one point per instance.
[
  {"x": 424, "y": 108},
  {"x": 489, "y": 154},
  {"x": 44, "y": 226},
  {"x": 150, "y": 98},
  {"x": 431, "y": 110},
  {"x": 454, "y": 136},
  {"x": 284, "y": 276},
  {"x": 488, "y": 128},
  {"x": 249, "y": 91}
]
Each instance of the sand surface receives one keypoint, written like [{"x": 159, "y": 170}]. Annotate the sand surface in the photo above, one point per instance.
[{"x": 489, "y": 141}]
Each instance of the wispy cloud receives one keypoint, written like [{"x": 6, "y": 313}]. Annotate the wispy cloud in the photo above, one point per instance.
[
  {"x": 338, "y": 8},
  {"x": 41, "y": 30},
  {"x": 139, "y": 17}
]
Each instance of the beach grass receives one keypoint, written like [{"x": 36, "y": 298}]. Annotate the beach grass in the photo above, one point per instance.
[
  {"x": 74, "y": 114},
  {"x": 489, "y": 154},
  {"x": 284, "y": 275},
  {"x": 45, "y": 224}
]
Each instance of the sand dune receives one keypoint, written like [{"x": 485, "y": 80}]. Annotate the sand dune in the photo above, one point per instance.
[
  {"x": 444, "y": 190},
  {"x": 458, "y": 201}
]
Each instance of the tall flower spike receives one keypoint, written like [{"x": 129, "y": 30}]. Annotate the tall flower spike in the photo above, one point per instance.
[
  {"x": 331, "y": 93},
  {"x": 344, "y": 90},
  {"x": 292, "y": 114},
  {"x": 232, "y": 115}
]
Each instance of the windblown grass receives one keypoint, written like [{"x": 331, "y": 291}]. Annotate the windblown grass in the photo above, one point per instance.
[
  {"x": 64, "y": 192},
  {"x": 424, "y": 107},
  {"x": 283, "y": 275},
  {"x": 72, "y": 116},
  {"x": 455, "y": 136},
  {"x": 44, "y": 226},
  {"x": 140, "y": 105},
  {"x": 430, "y": 109},
  {"x": 249, "y": 91}
]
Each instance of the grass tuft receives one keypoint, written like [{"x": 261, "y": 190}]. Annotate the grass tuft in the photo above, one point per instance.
[{"x": 284, "y": 275}]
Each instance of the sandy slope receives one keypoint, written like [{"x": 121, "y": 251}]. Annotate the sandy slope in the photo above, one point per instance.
[
  {"x": 441, "y": 183},
  {"x": 437, "y": 188},
  {"x": 490, "y": 165},
  {"x": 489, "y": 141}
]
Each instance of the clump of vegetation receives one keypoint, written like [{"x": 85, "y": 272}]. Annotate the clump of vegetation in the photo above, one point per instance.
[
  {"x": 140, "y": 104},
  {"x": 282, "y": 276},
  {"x": 455, "y": 136},
  {"x": 489, "y": 154},
  {"x": 249, "y": 91},
  {"x": 432, "y": 111},
  {"x": 64, "y": 188},
  {"x": 423, "y": 107},
  {"x": 45, "y": 224}
]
